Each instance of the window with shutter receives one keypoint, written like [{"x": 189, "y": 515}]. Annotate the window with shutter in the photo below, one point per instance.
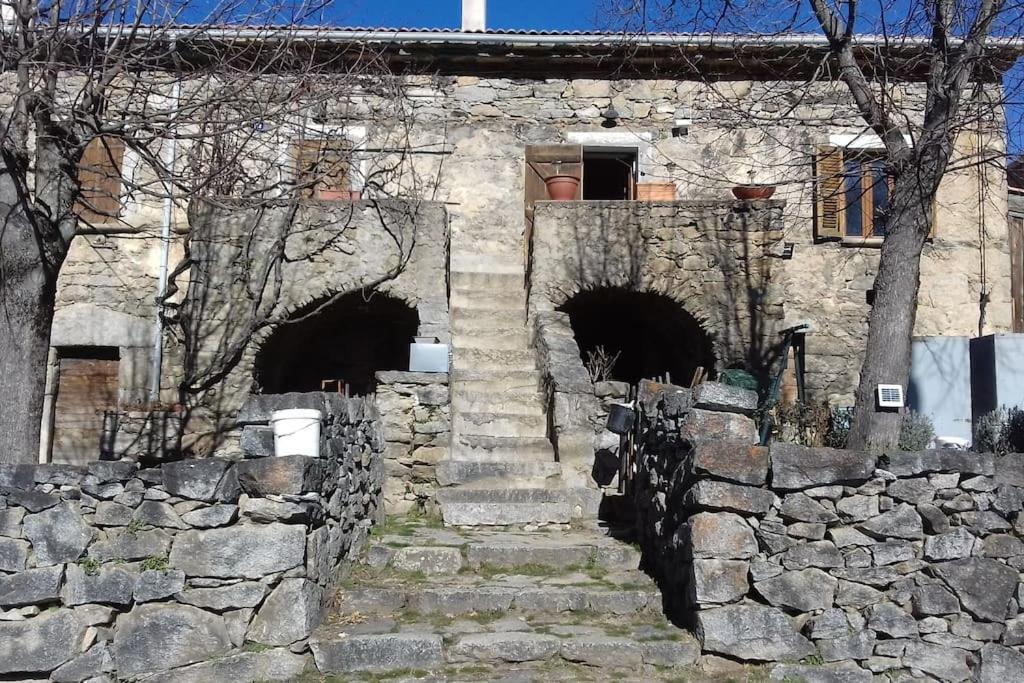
[
  {"x": 99, "y": 180},
  {"x": 852, "y": 192}
]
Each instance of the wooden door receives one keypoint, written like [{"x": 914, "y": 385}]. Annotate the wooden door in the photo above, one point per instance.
[
  {"x": 86, "y": 388},
  {"x": 542, "y": 162}
]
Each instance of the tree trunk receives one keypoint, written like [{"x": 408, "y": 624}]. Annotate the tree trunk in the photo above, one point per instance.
[
  {"x": 891, "y": 322},
  {"x": 27, "y": 293}
]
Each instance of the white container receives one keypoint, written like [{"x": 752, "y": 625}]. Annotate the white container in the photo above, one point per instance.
[
  {"x": 296, "y": 432},
  {"x": 428, "y": 358}
]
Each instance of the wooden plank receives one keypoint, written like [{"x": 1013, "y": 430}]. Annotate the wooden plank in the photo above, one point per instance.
[{"x": 568, "y": 154}]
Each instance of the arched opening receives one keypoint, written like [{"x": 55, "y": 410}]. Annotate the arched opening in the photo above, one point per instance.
[
  {"x": 647, "y": 335},
  {"x": 347, "y": 342}
]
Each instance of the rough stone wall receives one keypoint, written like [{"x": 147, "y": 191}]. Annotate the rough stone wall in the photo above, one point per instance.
[
  {"x": 416, "y": 425},
  {"x": 196, "y": 570},
  {"x": 713, "y": 258},
  {"x": 902, "y": 563},
  {"x": 323, "y": 249},
  {"x": 469, "y": 134}
]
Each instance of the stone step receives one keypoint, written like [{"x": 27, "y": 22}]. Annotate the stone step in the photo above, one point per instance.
[
  {"x": 469, "y": 326},
  {"x": 511, "y": 652},
  {"x": 484, "y": 402},
  {"x": 485, "y": 319},
  {"x": 505, "y": 278},
  {"x": 499, "y": 424},
  {"x": 494, "y": 359},
  {"x": 466, "y": 506},
  {"x": 478, "y": 297},
  {"x": 483, "y": 259},
  {"x": 516, "y": 338},
  {"x": 498, "y": 449},
  {"x": 484, "y": 597},
  {"x": 513, "y": 474},
  {"x": 496, "y": 381}
]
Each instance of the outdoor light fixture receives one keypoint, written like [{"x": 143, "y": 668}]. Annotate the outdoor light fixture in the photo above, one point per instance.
[
  {"x": 611, "y": 116},
  {"x": 683, "y": 121}
]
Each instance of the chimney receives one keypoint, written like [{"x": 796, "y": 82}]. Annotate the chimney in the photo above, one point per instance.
[{"x": 474, "y": 15}]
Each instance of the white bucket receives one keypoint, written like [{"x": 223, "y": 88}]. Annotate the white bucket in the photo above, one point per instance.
[{"x": 296, "y": 432}]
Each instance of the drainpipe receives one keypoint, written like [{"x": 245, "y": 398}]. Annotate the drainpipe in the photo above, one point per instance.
[{"x": 169, "y": 152}]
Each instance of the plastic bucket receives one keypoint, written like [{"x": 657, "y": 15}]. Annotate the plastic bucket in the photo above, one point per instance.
[
  {"x": 620, "y": 418},
  {"x": 296, "y": 432}
]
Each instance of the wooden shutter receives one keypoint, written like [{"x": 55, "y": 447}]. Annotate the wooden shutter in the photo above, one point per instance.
[
  {"x": 542, "y": 162},
  {"x": 828, "y": 186},
  {"x": 86, "y": 388},
  {"x": 99, "y": 180},
  {"x": 323, "y": 165},
  {"x": 1017, "y": 271}
]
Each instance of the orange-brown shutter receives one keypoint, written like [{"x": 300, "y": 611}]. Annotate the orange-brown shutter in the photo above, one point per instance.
[
  {"x": 1017, "y": 271},
  {"x": 99, "y": 180},
  {"x": 323, "y": 167},
  {"x": 828, "y": 186},
  {"x": 86, "y": 388}
]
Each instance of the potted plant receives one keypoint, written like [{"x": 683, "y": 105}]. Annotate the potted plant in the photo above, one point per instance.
[
  {"x": 562, "y": 186},
  {"x": 750, "y": 191}
]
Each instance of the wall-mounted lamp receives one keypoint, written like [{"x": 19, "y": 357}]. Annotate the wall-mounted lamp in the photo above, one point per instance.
[
  {"x": 683, "y": 121},
  {"x": 610, "y": 116}
]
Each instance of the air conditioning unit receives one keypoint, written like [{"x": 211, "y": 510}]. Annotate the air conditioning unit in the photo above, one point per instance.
[{"x": 890, "y": 396}]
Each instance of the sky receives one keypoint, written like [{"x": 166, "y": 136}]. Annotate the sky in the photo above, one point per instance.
[{"x": 562, "y": 15}]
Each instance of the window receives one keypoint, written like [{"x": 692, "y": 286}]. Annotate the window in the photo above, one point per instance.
[
  {"x": 323, "y": 169},
  {"x": 852, "y": 194},
  {"x": 99, "y": 180},
  {"x": 865, "y": 195}
]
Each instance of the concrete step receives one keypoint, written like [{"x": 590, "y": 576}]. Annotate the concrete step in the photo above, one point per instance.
[
  {"x": 495, "y": 359},
  {"x": 464, "y": 506},
  {"x": 492, "y": 402},
  {"x": 511, "y": 474},
  {"x": 497, "y": 382},
  {"x": 499, "y": 424},
  {"x": 498, "y": 449},
  {"x": 484, "y": 259}
]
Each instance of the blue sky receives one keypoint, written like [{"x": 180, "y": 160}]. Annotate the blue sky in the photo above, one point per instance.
[{"x": 508, "y": 14}]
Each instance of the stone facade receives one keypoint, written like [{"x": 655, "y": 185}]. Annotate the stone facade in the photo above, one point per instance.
[
  {"x": 167, "y": 572},
  {"x": 468, "y": 134},
  {"x": 875, "y": 565}
]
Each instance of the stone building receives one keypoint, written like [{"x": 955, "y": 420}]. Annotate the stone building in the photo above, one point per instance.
[{"x": 653, "y": 259}]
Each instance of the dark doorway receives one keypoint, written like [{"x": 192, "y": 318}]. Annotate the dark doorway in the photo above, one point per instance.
[
  {"x": 343, "y": 345},
  {"x": 608, "y": 173},
  {"x": 649, "y": 335}
]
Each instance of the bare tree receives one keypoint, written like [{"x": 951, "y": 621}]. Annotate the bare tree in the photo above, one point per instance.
[
  {"x": 958, "y": 48},
  {"x": 84, "y": 83}
]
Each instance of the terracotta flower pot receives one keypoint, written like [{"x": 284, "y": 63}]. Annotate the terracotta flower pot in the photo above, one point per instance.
[
  {"x": 562, "y": 187},
  {"x": 752, "y": 192}
]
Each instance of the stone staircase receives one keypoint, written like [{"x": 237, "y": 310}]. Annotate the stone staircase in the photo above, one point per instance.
[
  {"x": 502, "y": 468},
  {"x": 482, "y": 605}
]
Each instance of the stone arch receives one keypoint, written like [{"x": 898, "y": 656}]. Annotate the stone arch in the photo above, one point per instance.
[
  {"x": 348, "y": 337},
  {"x": 653, "y": 335}
]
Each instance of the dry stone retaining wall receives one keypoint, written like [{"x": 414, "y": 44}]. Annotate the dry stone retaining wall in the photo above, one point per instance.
[
  {"x": 114, "y": 571},
  {"x": 855, "y": 563}
]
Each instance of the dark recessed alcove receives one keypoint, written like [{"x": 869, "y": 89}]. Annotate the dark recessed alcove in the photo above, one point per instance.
[
  {"x": 652, "y": 334},
  {"x": 348, "y": 339}
]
